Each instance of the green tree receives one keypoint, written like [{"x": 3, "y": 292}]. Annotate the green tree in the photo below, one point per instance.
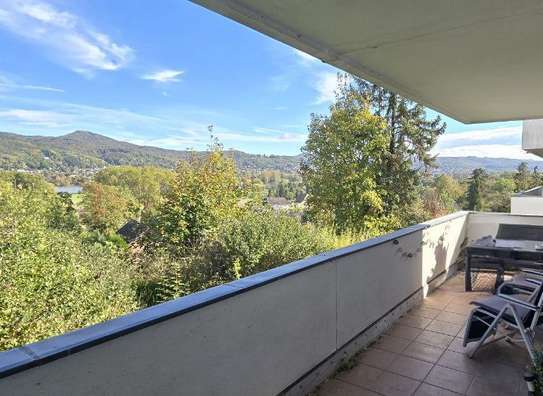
[
  {"x": 523, "y": 178},
  {"x": 411, "y": 135},
  {"x": 476, "y": 189},
  {"x": 498, "y": 194},
  {"x": 147, "y": 184},
  {"x": 359, "y": 161},
  {"x": 106, "y": 208},
  {"x": 206, "y": 189}
]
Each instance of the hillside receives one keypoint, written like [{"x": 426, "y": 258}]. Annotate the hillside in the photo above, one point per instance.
[
  {"x": 88, "y": 150},
  {"x": 464, "y": 165}
]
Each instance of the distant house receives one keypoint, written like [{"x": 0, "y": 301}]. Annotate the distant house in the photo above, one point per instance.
[
  {"x": 278, "y": 203},
  {"x": 132, "y": 231}
]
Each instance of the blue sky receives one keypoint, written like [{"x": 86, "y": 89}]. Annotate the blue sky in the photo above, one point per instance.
[{"x": 159, "y": 75}]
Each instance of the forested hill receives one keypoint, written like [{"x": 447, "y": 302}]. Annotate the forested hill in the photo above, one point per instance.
[
  {"x": 464, "y": 165},
  {"x": 88, "y": 150}
]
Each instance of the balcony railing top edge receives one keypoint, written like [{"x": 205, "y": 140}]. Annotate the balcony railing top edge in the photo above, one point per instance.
[
  {"x": 31, "y": 355},
  {"x": 496, "y": 214}
]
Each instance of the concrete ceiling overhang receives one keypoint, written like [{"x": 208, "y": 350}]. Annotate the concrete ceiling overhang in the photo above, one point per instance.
[{"x": 476, "y": 61}]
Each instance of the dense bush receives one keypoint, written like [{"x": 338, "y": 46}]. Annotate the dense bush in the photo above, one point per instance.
[
  {"x": 107, "y": 208},
  {"x": 256, "y": 240},
  {"x": 261, "y": 239},
  {"x": 50, "y": 280}
]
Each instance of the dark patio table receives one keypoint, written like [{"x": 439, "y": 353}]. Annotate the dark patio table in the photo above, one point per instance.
[{"x": 502, "y": 255}]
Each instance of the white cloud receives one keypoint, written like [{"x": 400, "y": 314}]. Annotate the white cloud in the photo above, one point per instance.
[
  {"x": 164, "y": 76},
  {"x": 487, "y": 150},
  {"x": 491, "y": 143},
  {"x": 7, "y": 84},
  {"x": 325, "y": 85},
  {"x": 67, "y": 38},
  {"x": 280, "y": 82},
  {"x": 481, "y": 135},
  {"x": 41, "y": 118},
  {"x": 181, "y": 142},
  {"x": 304, "y": 58}
]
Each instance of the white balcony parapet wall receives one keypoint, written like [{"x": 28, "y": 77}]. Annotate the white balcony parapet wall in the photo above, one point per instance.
[
  {"x": 482, "y": 223},
  {"x": 528, "y": 202},
  {"x": 258, "y": 335}
]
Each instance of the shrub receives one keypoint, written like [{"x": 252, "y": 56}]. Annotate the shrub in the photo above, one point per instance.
[
  {"x": 261, "y": 239},
  {"x": 50, "y": 280}
]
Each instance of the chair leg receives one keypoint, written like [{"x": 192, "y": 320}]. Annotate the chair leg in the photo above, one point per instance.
[
  {"x": 486, "y": 334},
  {"x": 499, "y": 279},
  {"x": 524, "y": 333}
]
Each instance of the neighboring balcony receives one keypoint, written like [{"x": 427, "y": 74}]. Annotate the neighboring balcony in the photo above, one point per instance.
[
  {"x": 290, "y": 328},
  {"x": 532, "y": 136},
  {"x": 528, "y": 202}
]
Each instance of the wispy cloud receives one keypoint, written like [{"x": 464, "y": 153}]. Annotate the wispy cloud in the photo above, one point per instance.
[
  {"x": 304, "y": 58},
  {"x": 66, "y": 37},
  {"x": 481, "y": 135},
  {"x": 164, "y": 76},
  {"x": 280, "y": 82},
  {"x": 490, "y": 143},
  {"x": 7, "y": 84},
  {"x": 39, "y": 118},
  {"x": 326, "y": 85},
  {"x": 488, "y": 151}
]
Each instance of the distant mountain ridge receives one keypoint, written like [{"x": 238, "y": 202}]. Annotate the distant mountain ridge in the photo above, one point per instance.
[
  {"x": 465, "y": 165},
  {"x": 89, "y": 150}
]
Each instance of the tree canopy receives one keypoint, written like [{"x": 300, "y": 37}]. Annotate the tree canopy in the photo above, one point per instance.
[{"x": 362, "y": 162}]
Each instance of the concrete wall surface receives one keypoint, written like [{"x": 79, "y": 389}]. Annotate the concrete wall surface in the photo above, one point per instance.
[
  {"x": 527, "y": 205},
  {"x": 255, "y": 336},
  {"x": 482, "y": 223}
]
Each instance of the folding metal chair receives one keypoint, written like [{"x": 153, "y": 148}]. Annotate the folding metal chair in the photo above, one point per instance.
[{"x": 520, "y": 315}]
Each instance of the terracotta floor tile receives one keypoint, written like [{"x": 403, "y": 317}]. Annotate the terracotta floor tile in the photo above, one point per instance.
[
  {"x": 444, "y": 327},
  {"x": 409, "y": 367},
  {"x": 391, "y": 343},
  {"x": 414, "y": 321},
  {"x": 339, "y": 388},
  {"x": 461, "y": 362},
  {"x": 407, "y": 332},
  {"x": 361, "y": 375},
  {"x": 435, "y": 339},
  {"x": 428, "y": 353},
  {"x": 394, "y": 385},
  {"x": 449, "y": 379},
  {"x": 431, "y": 390},
  {"x": 452, "y": 317},
  {"x": 456, "y": 346},
  {"x": 458, "y": 308},
  {"x": 429, "y": 313},
  {"x": 377, "y": 358},
  {"x": 493, "y": 386},
  {"x": 434, "y": 304}
]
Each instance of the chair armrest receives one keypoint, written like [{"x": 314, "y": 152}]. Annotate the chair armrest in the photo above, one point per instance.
[
  {"x": 512, "y": 287},
  {"x": 518, "y": 302},
  {"x": 532, "y": 271}
]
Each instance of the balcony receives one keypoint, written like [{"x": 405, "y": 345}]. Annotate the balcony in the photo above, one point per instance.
[
  {"x": 528, "y": 202},
  {"x": 532, "y": 138},
  {"x": 422, "y": 354},
  {"x": 287, "y": 329}
]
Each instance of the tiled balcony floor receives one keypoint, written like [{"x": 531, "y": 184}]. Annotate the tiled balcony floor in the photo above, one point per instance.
[{"x": 422, "y": 354}]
